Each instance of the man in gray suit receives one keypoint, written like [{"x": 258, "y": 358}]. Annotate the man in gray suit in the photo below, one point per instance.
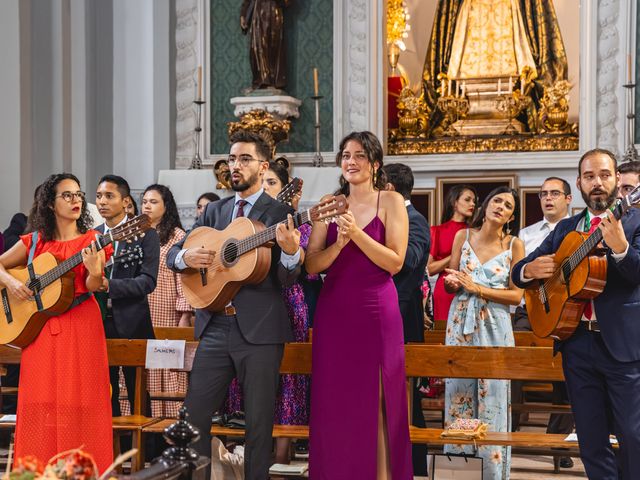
[{"x": 247, "y": 338}]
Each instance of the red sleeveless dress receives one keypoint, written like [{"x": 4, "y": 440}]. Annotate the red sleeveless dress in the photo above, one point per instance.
[{"x": 64, "y": 399}]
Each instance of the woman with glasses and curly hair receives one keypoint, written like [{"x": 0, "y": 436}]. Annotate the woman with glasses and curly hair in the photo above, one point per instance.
[
  {"x": 168, "y": 306},
  {"x": 64, "y": 384}
]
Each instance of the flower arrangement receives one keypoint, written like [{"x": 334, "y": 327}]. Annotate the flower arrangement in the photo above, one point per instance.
[{"x": 70, "y": 465}]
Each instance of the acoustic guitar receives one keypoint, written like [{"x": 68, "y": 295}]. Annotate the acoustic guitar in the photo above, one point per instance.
[
  {"x": 289, "y": 191},
  {"x": 52, "y": 284},
  {"x": 556, "y": 305},
  {"x": 242, "y": 254}
]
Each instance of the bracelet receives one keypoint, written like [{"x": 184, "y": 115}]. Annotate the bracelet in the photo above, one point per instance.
[{"x": 480, "y": 292}]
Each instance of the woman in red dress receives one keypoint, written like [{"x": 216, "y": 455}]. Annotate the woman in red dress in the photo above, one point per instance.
[
  {"x": 459, "y": 206},
  {"x": 64, "y": 382}
]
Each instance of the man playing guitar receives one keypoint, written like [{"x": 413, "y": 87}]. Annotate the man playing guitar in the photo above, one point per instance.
[
  {"x": 246, "y": 339},
  {"x": 601, "y": 360}
]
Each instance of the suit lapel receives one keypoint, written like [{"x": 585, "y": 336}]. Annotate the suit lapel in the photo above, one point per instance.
[
  {"x": 226, "y": 211},
  {"x": 260, "y": 207}
]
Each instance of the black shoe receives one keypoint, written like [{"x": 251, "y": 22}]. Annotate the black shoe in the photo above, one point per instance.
[{"x": 566, "y": 462}]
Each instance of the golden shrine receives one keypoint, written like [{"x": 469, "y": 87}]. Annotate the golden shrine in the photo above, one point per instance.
[{"x": 494, "y": 79}]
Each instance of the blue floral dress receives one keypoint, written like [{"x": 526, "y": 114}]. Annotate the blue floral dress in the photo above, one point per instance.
[{"x": 477, "y": 322}]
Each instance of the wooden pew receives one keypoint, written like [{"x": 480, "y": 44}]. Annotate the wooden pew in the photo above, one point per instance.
[
  {"x": 127, "y": 353},
  {"x": 533, "y": 363},
  {"x": 432, "y": 337}
]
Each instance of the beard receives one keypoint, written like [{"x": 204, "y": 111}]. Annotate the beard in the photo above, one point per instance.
[
  {"x": 241, "y": 186},
  {"x": 599, "y": 205}
]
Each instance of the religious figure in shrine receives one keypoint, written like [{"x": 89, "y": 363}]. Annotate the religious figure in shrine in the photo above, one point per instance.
[
  {"x": 263, "y": 21},
  {"x": 481, "y": 49}
]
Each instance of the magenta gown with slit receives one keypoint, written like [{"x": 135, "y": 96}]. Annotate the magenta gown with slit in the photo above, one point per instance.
[{"x": 357, "y": 339}]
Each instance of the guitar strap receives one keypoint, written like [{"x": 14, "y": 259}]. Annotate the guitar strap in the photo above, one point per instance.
[
  {"x": 32, "y": 273},
  {"x": 32, "y": 276}
]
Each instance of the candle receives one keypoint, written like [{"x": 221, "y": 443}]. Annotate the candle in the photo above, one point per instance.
[
  {"x": 499, "y": 86},
  {"x": 510, "y": 84},
  {"x": 449, "y": 87},
  {"x": 464, "y": 88},
  {"x": 315, "y": 82},
  {"x": 199, "y": 82},
  {"x": 442, "y": 88},
  {"x": 522, "y": 85}
]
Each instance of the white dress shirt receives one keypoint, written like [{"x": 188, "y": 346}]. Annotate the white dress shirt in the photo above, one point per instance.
[{"x": 534, "y": 235}]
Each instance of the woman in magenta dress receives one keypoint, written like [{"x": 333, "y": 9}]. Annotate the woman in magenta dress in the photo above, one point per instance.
[
  {"x": 359, "y": 423},
  {"x": 64, "y": 383},
  {"x": 459, "y": 206}
]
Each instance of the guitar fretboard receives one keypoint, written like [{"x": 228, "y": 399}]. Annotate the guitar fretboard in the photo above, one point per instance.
[
  {"x": 589, "y": 244},
  {"x": 254, "y": 241},
  {"x": 70, "y": 263}
]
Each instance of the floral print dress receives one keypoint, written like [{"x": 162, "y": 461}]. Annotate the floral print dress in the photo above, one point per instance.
[{"x": 477, "y": 322}]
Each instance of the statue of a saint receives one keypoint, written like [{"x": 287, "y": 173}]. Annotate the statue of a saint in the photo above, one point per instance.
[
  {"x": 263, "y": 21},
  {"x": 499, "y": 39}
]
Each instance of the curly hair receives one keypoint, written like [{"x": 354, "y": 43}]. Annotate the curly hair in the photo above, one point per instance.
[
  {"x": 372, "y": 147},
  {"x": 170, "y": 220},
  {"x": 42, "y": 217}
]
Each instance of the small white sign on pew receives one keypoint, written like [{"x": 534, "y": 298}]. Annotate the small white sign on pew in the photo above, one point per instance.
[{"x": 165, "y": 354}]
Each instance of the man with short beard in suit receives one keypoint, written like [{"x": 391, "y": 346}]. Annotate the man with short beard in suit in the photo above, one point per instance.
[{"x": 246, "y": 339}]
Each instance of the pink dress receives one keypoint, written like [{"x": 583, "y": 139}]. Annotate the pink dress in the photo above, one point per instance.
[{"x": 357, "y": 340}]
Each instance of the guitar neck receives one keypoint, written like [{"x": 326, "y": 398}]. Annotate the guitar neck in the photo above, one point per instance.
[
  {"x": 70, "y": 263},
  {"x": 269, "y": 234},
  {"x": 590, "y": 243}
]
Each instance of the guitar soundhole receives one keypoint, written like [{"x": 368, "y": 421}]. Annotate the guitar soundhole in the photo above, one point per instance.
[{"x": 230, "y": 253}]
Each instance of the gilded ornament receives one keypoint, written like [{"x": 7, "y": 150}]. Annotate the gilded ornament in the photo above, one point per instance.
[
  {"x": 264, "y": 124},
  {"x": 554, "y": 111},
  {"x": 413, "y": 117}
]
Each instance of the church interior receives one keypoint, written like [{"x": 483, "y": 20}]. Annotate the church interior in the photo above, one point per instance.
[{"x": 484, "y": 93}]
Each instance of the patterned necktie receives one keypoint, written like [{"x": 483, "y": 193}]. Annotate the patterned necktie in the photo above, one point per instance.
[
  {"x": 241, "y": 204},
  {"x": 588, "y": 309}
]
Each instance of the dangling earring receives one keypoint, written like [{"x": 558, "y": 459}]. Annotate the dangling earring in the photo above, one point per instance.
[{"x": 509, "y": 228}]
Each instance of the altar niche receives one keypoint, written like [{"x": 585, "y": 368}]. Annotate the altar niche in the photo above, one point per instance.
[{"x": 493, "y": 75}]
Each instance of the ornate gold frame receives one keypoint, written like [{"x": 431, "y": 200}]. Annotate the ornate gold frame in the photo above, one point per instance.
[
  {"x": 441, "y": 182},
  {"x": 429, "y": 194},
  {"x": 524, "y": 192}
]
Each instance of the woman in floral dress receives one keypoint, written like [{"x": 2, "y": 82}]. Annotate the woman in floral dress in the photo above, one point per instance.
[
  {"x": 479, "y": 316},
  {"x": 168, "y": 306}
]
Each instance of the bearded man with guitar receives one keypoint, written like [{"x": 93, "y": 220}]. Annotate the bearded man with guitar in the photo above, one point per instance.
[
  {"x": 246, "y": 337},
  {"x": 601, "y": 358}
]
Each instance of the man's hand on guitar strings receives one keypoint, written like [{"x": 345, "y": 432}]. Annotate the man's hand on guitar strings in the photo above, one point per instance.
[
  {"x": 542, "y": 267},
  {"x": 199, "y": 257},
  {"x": 288, "y": 237},
  {"x": 613, "y": 233}
]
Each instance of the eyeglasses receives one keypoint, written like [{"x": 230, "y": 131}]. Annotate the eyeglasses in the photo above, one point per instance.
[
  {"x": 242, "y": 160},
  {"x": 551, "y": 193},
  {"x": 69, "y": 196}
]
